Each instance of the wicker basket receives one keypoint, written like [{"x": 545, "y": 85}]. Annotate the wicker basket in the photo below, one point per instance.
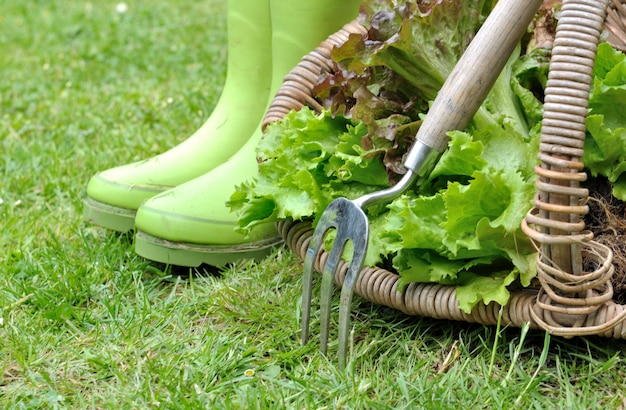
[{"x": 569, "y": 300}]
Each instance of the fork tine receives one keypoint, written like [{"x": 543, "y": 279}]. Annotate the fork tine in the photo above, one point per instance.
[
  {"x": 359, "y": 243},
  {"x": 307, "y": 292},
  {"x": 350, "y": 224},
  {"x": 327, "y": 221},
  {"x": 326, "y": 292},
  {"x": 307, "y": 280}
]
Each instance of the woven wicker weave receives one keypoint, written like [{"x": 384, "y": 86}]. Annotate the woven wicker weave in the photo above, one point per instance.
[{"x": 569, "y": 302}]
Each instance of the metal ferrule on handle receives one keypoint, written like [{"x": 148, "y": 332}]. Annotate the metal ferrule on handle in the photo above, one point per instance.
[{"x": 419, "y": 162}]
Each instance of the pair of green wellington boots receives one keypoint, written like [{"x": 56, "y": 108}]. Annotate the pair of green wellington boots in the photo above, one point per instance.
[{"x": 176, "y": 201}]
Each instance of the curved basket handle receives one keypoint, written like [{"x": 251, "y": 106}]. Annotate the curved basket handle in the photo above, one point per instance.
[{"x": 569, "y": 296}]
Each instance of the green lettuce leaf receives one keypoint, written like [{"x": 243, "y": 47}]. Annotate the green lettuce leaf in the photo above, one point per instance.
[
  {"x": 606, "y": 124},
  {"x": 473, "y": 288},
  {"x": 306, "y": 161}
]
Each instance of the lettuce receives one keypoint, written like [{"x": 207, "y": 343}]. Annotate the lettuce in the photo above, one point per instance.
[
  {"x": 605, "y": 152},
  {"x": 306, "y": 161},
  {"x": 387, "y": 78},
  {"x": 462, "y": 226}
]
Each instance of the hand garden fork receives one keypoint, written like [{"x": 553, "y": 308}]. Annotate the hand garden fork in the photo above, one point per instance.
[{"x": 455, "y": 105}]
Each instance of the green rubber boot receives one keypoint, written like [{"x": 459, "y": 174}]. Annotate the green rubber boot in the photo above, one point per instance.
[
  {"x": 115, "y": 194},
  {"x": 191, "y": 224}
]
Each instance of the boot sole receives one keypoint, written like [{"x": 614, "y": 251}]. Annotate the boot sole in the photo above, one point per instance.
[
  {"x": 194, "y": 255},
  {"x": 108, "y": 216}
]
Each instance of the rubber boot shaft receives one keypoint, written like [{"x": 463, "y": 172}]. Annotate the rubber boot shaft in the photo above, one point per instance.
[
  {"x": 196, "y": 212},
  {"x": 299, "y": 26},
  {"x": 115, "y": 194}
]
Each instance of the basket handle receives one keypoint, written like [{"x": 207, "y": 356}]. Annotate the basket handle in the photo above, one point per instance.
[{"x": 569, "y": 296}]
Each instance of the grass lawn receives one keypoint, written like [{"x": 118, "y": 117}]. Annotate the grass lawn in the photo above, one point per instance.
[{"x": 85, "y": 323}]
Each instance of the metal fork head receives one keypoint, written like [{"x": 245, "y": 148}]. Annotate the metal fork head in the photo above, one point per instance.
[{"x": 351, "y": 224}]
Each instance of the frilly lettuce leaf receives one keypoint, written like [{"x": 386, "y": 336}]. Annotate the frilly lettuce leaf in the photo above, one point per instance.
[
  {"x": 306, "y": 161},
  {"x": 473, "y": 288},
  {"x": 471, "y": 223},
  {"x": 605, "y": 144}
]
